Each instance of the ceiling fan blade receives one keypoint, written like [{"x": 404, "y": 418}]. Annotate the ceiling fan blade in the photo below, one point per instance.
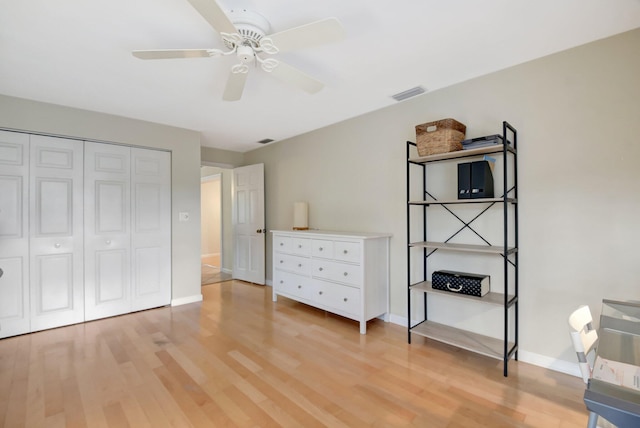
[
  {"x": 312, "y": 34},
  {"x": 171, "y": 53},
  {"x": 215, "y": 16},
  {"x": 235, "y": 86},
  {"x": 292, "y": 75}
]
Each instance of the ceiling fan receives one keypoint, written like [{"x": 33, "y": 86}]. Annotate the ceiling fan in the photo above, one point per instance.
[{"x": 245, "y": 34}]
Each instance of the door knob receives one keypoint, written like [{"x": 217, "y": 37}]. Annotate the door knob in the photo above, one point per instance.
[{"x": 262, "y": 231}]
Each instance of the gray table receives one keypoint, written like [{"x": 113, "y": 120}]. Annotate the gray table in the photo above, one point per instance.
[{"x": 619, "y": 341}]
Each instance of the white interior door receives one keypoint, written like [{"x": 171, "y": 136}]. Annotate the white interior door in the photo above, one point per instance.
[
  {"x": 151, "y": 234},
  {"x": 14, "y": 233},
  {"x": 248, "y": 223},
  {"x": 108, "y": 230},
  {"x": 56, "y": 232}
]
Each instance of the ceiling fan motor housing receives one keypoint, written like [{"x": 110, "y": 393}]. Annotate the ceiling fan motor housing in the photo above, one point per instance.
[{"x": 250, "y": 25}]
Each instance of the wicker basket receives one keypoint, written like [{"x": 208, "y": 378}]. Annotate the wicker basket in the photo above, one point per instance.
[{"x": 441, "y": 136}]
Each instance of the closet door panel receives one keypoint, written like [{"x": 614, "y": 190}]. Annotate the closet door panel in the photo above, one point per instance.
[
  {"x": 56, "y": 238},
  {"x": 108, "y": 231},
  {"x": 14, "y": 234},
  {"x": 151, "y": 237}
]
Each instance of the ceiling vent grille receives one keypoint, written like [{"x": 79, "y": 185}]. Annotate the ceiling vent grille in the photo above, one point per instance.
[
  {"x": 401, "y": 96},
  {"x": 265, "y": 141}
]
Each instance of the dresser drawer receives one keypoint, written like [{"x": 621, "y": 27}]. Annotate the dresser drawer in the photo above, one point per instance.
[
  {"x": 291, "y": 263},
  {"x": 295, "y": 285},
  {"x": 322, "y": 248},
  {"x": 346, "y": 251},
  {"x": 290, "y": 245},
  {"x": 335, "y": 271},
  {"x": 340, "y": 297}
]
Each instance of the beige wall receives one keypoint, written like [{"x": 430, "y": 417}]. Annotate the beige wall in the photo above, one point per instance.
[
  {"x": 220, "y": 158},
  {"x": 577, "y": 113},
  {"x": 30, "y": 116}
]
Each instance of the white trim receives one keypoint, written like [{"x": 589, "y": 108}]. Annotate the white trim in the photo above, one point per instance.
[
  {"x": 567, "y": 367},
  {"x": 217, "y": 164},
  {"x": 186, "y": 300},
  {"x": 212, "y": 177},
  {"x": 225, "y": 270},
  {"x": 562, "y": 366},
  {"x": 209, "y": 255}
]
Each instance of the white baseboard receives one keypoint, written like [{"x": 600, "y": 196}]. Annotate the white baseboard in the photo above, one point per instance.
[
  {"x": 562, "y": 366},
  {"x": 185, "y": 300},
  {"x": 225, "y": 270},
  {"x": 209, "y": 255}
]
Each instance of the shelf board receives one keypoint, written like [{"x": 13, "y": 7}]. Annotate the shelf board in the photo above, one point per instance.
[
  {"x": 474, "y": 342},
  {"x": 492, "y": 249},
  {"x": 490, "y": 298},
  {"x": 498, "y": 148},
  {"x": 463, "y": 201}
]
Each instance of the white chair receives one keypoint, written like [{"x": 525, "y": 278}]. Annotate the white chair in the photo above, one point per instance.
[{"x": 585, "y": 339}]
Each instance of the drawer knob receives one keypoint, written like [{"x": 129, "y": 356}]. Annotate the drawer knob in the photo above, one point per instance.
[
  {"x": 345, "y": 251},
  {"x": 281, "y": 244},
  {"x": 320, "y": 269},
  {"x": 299, "y": 246},
  {"x": 345, "y": 299},
  {"x": 281, "y": 282},
  {"x": 345, "y": 274},
  {"x": 320, "y": 292},
  {"x": 299, "y": 264},
  {"x": 281, "y": 261},
  {"x": 321, "y": 248},
  {"x": 299, "y": 286}
]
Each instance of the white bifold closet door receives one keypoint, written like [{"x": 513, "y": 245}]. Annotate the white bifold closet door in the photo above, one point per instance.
[
  {"x": 56, "y": 232},
  {"x": 14, "y": 233},
  {"x": 107, "y": 215},
  {"x": 128, "y": 229},
  {"x": 151, "y": 228}
]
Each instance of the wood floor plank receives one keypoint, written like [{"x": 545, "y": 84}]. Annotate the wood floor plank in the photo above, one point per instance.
[{"x": 237, "y": 359}]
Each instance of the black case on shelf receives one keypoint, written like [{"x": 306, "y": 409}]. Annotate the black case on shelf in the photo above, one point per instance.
[
  {"x": 475, "y": 180},
  {"x": 460, "y": 282},
  {"x": 481, "y": 180},
  {"x": 464, "y": 180}
]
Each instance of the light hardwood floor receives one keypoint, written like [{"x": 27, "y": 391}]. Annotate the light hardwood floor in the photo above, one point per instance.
[{"x": 237, "y": 359}]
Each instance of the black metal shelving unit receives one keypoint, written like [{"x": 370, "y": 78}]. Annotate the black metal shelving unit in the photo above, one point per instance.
[{"x": 505, "y": 347}]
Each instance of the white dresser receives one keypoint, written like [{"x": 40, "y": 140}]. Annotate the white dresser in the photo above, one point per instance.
[{"x": 345, "y": 273}]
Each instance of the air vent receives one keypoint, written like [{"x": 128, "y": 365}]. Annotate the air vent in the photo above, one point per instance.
[
  {"x": 401, "y": 96},
  {"x": 265, "y": 141}
]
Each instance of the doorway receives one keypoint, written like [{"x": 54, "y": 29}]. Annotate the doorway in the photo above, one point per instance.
[{"x": 212, "y": 227}]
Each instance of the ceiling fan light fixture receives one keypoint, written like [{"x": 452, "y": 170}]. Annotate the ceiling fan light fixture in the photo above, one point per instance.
[
  {"x": 245, "y": 54},
  {"x": 409, "y": 93}
]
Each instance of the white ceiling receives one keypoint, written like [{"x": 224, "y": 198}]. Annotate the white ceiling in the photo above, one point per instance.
[{"x": 77, "y": 53}]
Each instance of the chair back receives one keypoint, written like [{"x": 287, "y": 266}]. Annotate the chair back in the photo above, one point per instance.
[{"x": 584, "y": 338}]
